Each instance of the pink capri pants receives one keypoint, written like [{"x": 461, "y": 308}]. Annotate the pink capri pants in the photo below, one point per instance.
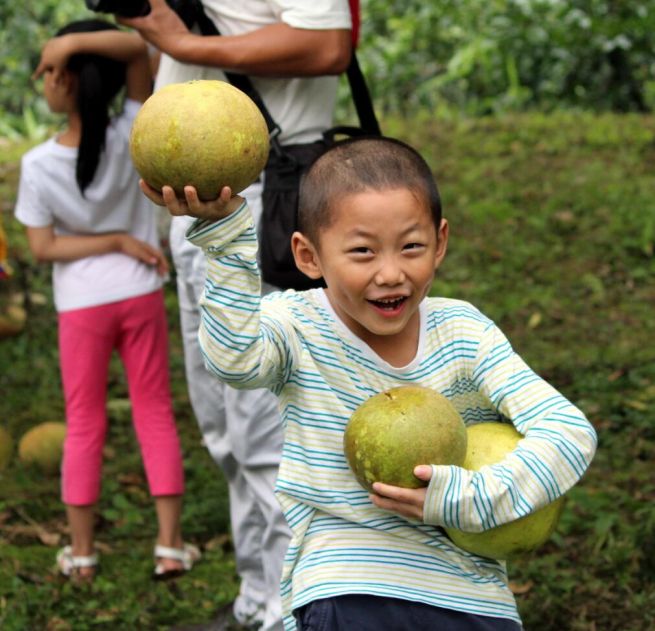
[{"x": 137, "y": 329}]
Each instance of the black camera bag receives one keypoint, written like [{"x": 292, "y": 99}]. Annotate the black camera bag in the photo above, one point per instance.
[{"x": 285, "y": 166}]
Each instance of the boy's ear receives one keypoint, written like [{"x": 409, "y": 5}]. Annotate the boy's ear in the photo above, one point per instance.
[
  {"x": 442, "y": 243},
  {"x": 304, "y": 253}
]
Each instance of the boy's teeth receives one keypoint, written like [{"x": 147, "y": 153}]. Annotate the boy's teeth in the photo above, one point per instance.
[{"x": 388, "y": 302}]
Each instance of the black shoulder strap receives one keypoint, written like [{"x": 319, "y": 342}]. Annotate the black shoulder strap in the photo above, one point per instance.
[{"x": 361, "y": 97}]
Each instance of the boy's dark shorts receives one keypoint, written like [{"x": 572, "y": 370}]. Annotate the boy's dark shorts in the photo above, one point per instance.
[{"x": 361, "y": 612}]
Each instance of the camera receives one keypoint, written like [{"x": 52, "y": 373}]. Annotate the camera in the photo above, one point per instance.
[{"x": 186, "y": 9}]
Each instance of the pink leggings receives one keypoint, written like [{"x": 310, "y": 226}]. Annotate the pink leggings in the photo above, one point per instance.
[{"x": 137, "y": 328}]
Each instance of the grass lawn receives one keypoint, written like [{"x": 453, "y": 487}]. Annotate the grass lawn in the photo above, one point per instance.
[{"x": 552, "y": 235}]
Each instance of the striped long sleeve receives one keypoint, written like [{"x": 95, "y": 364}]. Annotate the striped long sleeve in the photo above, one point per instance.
[
  {"x": 236, "y": 349},
  {"x": 558, "y": 447}
]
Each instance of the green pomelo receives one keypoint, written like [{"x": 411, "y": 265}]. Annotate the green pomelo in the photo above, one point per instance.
[
  {"x": 43, "y": 446},
  {"x": 489, "y": 443},
  {"x": 12, "y": 321},
  {"x": 394, "y": 431},
  {"x": 6, "y": 448},
  {"x": 207, "y": 134}
]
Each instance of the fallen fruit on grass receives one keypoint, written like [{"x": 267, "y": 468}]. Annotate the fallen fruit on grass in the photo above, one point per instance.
[
  {"x": 12, "y": 321},
  {"x": 43, "y": 446}
]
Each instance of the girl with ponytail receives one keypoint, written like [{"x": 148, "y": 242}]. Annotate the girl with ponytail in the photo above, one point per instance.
[{"x": 80, "y": 201}]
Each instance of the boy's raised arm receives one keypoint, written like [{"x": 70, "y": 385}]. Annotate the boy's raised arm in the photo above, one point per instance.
[{"x": 243, "y": 344}]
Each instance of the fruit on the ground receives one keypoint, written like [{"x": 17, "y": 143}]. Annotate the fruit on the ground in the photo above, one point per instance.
[
  {"x": 6, "y": 447},
  {"x": 489, "y": 443},
  {"x": 43, "y": 445},
  {"x": 394, "y": 431},
  {"x": 204, "y": 133},
  {"x": 12, "y": 321}
]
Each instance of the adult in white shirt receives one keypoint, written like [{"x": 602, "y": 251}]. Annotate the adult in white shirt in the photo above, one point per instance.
[{"x": 292, "y": 50}]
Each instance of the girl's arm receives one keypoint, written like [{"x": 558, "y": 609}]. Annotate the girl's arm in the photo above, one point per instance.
[
  {"x": 45, "y": 245},
  {"x": 123, "y": 46}
]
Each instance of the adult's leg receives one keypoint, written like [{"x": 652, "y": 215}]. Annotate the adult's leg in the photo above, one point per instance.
[
  {"x": 255, "y": 427},
  {"x": 261, "y": 457},
  {"x": 206, "y": 394}
]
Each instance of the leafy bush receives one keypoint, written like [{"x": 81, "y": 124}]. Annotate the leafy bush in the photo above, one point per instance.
[
  {"x": 26, "y": 26},
  {"x": 476, "y": 56},
  {"x": 484, "y": 56}
]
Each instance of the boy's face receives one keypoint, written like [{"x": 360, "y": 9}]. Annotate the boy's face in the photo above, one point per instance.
[{"x": 378, "y": 258}]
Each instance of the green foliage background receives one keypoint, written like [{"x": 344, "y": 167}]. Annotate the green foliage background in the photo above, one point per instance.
[
  {"x": 479, "y": 56},
  {"x": 491, "y": 55}
]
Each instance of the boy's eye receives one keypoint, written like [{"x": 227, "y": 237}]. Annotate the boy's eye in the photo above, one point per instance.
[
  {"x": 413, "y": 246},
  {"x": 362, "y": 249}
]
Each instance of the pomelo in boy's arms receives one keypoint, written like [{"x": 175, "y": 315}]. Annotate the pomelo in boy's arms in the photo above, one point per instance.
[
  {"x": 208, "y": 134},
  {"x": 394, "y": 431},
  {"x": 43, "y": 446},
  {"x": 489, "y": 443}
]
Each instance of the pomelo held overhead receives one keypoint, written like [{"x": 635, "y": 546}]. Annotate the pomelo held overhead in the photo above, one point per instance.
[
  {"x": 208, "y": 134},
  {"x": 394, "y": 431},
  {"x": 489, "y": 443}
]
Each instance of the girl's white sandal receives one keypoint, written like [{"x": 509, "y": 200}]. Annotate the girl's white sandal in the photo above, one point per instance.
[
  {"x": 187, "y": 555},
  {"x": 70, "y": 565}
]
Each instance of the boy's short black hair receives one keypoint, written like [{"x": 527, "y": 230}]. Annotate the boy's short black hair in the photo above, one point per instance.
[{"x": 357, "y": 165}]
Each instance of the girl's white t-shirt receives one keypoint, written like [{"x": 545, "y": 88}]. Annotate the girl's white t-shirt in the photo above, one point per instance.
[{"x": 48, "y": 194}]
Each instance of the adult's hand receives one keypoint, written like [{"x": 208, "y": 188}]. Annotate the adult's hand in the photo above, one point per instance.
[
  {"x": 162, "y": 27},
  {"x": 275, "y": 50}
]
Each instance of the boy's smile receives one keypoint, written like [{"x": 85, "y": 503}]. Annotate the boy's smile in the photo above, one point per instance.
[{"x": 378, "y": 257}]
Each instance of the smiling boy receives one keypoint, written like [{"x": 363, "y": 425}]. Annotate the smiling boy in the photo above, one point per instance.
[{"x": 371, "y": 227}]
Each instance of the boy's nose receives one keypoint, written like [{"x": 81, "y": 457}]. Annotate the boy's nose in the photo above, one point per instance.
[{"x": 390, "y": 272}]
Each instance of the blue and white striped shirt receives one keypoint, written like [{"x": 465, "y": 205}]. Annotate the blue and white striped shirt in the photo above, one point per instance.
[{"x": 294, "y": 344}]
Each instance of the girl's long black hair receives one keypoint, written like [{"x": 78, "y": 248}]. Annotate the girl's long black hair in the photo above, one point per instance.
[{"x": 99, "y": 79}]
